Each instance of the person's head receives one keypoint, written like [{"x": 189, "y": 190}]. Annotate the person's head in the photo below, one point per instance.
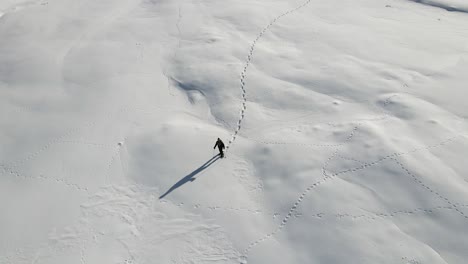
[{"x": 219, "y": 139}]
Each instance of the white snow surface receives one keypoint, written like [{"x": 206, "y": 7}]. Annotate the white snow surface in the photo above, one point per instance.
[{"x": 345, "y": 121}]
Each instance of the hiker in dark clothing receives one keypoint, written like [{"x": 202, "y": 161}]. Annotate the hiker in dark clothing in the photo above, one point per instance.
[{"x": 220, "y": 145}]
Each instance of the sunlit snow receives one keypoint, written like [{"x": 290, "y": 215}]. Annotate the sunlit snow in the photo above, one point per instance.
[{"x": 345, "y": 124}]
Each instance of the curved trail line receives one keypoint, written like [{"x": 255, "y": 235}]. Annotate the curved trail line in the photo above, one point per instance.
[
  {"x": 62, "y": 139},
  {"x": 246, "y": 66},
  {"x": 337, "y": 151},
  {"x": 328, "y": 177},
  {"x": 357, "y": 123},
  {"x": 293, "y": 208},
  {"x": 374, "y": 216},
  {"x": 67, "y": 183},
  {"x": 261, "y": 141},
  {"x": 418, "y": 180}
]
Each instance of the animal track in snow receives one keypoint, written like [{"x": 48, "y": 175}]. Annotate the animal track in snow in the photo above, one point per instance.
[
  {"x": 224, "y": 208},
  {"x": 111, "y": 162},
  {"x": 176, "y": 50},
  {"x": 373, "y": 216},
  {"x": 425, "y": 186},
  {"x": 260, "y": 141},
  {"x": 62, "y": 139},
  {"x": 56, "y": 140},
  {"x": 396, "y": 154},
  {"x": 293, "y": 209},
  {"x": 410, "y": 260},
  {"x": 246, "y": 66},
  {"x": 348, "y": 158},
  {"x": 336, "y": 153},
  {"x": 43, "y": 177},
  {"x": 230, "y": 209},
  {"x": 366, "y": 165},
  {"x": 358, "y": 122}
]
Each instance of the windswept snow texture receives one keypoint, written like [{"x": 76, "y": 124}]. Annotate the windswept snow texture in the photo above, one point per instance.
[{"x": 346, "y": 123}]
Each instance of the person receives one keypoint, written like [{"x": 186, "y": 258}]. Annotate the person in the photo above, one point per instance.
[{"x": 220, "y": 145}]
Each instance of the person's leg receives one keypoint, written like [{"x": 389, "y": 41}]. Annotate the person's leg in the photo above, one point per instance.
[{"x": 221, "y": 153}]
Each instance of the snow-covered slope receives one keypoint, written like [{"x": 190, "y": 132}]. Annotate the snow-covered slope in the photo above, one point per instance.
[{"x": 345, "y": 121}]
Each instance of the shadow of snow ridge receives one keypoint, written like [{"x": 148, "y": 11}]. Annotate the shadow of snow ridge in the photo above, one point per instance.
[{"x": 440, "y": 4}]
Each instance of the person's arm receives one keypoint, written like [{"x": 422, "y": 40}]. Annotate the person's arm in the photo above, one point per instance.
[{"x": 215, "y": 145}]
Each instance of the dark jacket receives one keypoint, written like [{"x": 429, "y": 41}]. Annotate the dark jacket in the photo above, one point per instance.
[{"x": 219, "y": 144}]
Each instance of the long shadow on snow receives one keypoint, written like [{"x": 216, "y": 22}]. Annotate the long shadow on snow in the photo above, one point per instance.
[{"x": 191, "y": 176}]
